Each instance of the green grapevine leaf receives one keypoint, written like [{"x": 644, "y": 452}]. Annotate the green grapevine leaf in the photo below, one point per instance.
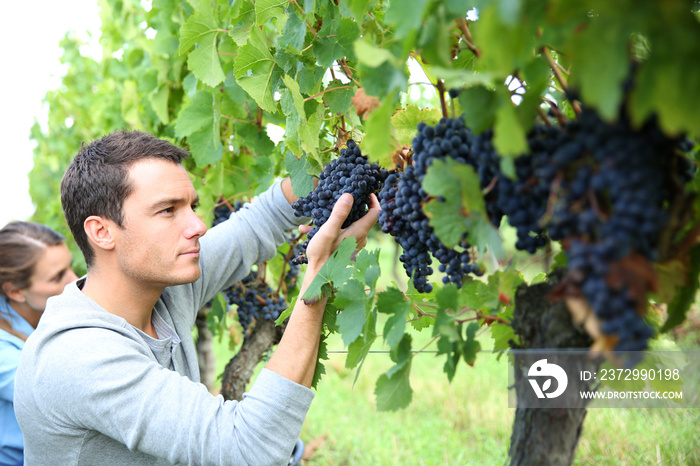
[
  {"x": 479, "y": 104},
  {"x": 434, "y": 40},
  {"x": 378, "y": 141},
  {"x": 406, "y": 15},
  {"x": 322, "y": 356},
  {"x": 392, "y": 301},
  {"x": 256, "y": 71},
  {"x": 502, "y": 334},
  {"x": 294, "y": 34},
  {"x": 372, "y": 55},
  {"x": 509, "y": 137},
  {"x": 257, "y": 140},
  {"x": 393, "y": 389},
  {"x": 367, "y": 269},
  {"x": 685, "y": 296},
  {"x": 406, "y": 120},
  {"x": 266, "y": 9},
  {"x": 334, "y": 271},
  {"x": 463, "y": 209},
  {"x": 338, "y": 100},
  {"x": 471, "y": 346},
  {"x": 351, "y": 299},
  {"x": 394, "y": 392},
  {"x": 309, "y": 139},
  {"x": 131, "y": 105},
  {"x": 195, "y": 116},
  {"x": 600, "y": 75},
  {"x": 453, "y": 355},
  {"x": 355, "y": 8},
  {"x": 243, "y": 19},
  {"x": 510, "y": 42},
  {"x": 337, "y": 38},
  {"x": 359, "y": 349},
  {"x": 159, "y": 102},
  {"x": 480, "y": 295},
  {"x": 216, "y": 316},
  {"x": 201, "y": 29},
  {"x": 298, "y": 168}
]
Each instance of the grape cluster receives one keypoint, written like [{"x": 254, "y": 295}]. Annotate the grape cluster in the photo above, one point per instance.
[
  {"x": 614, "y": 189},
  {"x": 603, "y": 189},
  {"x": 255, "y": 300},
  {"x": 402, "y": 216},
  {"x": 294, "y": 267},
  {"x": 223, "y": 211},
  {"x": 350, "y": 173}
]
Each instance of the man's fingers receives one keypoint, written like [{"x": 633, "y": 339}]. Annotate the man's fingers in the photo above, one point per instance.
[
  {"x": 364, "y": 224},
  {"x": 340, "y": 212}
]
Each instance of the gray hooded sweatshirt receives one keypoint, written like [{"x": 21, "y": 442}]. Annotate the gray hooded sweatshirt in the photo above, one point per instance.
[{"x": 93, "y": 390}]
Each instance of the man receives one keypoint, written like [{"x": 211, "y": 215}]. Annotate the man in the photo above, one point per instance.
[{"x": 110, "y": 376}]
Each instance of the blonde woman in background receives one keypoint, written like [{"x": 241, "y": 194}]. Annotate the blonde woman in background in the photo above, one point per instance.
[{"x": 35, "y": 264}]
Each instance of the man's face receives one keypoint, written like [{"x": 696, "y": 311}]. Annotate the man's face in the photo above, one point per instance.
[{"x": 159, "y": 242}]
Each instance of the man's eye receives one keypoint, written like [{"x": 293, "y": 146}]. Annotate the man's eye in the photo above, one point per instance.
[
  {"x": 169, "y": 210},
  {"x": 194, "y": 207}
]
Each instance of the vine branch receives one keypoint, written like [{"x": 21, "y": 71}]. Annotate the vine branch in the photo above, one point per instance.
[
  {"x": 463, "y": 26},
  {"x": 328, "y": 90}
]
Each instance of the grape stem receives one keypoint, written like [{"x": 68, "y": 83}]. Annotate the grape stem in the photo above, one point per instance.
[
  {"x": 328, "y": 90},
  {"x": 561, "y": 119},
  {"x": 441, "y": 93},
  {"x": 557, "y": 70},
  {"x": 463, "y": 26},
  {"x": 544, "y": 116}
]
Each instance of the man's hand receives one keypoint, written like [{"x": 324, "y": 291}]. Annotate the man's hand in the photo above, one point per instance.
[
  {"x": 329, "y": 236},
  {"x": 297, "y": 352}
]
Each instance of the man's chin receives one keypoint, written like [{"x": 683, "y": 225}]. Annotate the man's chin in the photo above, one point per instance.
[{"x": 186, "y": 278}]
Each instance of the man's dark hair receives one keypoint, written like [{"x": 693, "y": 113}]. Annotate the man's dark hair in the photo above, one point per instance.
[{"x": 97, "y": 182}]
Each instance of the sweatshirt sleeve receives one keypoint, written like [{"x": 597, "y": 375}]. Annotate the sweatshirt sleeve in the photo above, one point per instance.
[
  {"x": 116, "y": 389},
  {"x": 250, "y": 236}
]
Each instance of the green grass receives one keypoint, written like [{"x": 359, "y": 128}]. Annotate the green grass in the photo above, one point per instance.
[{"x": 468, "y": 421}]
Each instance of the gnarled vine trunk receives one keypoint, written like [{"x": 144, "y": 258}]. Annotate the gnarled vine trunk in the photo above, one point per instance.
[
  {"x": 240, "y": 368},
  {"x": 545, "y": 436}
]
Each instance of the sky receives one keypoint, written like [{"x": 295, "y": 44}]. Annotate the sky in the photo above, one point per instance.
[{"x": 30, "y": 32}]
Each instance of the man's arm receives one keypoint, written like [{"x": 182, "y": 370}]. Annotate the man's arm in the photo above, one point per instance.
[
  {"x": 249, "y": 237},
  {"x": 296, "y": 355}
]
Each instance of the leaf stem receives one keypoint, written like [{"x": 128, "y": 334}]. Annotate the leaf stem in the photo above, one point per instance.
[
  {"x": 555, "y": 69},
  {"x": 301, "y": 10},
  {"x": 463, "y": 26},
  {"x": 441, "y": 94},
  {"x": 328, "y": 90}
]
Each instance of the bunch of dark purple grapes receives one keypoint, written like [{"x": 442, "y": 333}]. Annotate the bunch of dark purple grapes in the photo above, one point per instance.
[
  {"x": 402, "y": 199},
  {"x": 254, "y": 300},
  {"x": 350, "y": 173}
]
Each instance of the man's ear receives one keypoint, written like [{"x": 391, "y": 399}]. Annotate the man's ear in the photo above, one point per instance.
[
  {"x": 99, "y": 232},
  {"x": 13, "y": 292}
]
